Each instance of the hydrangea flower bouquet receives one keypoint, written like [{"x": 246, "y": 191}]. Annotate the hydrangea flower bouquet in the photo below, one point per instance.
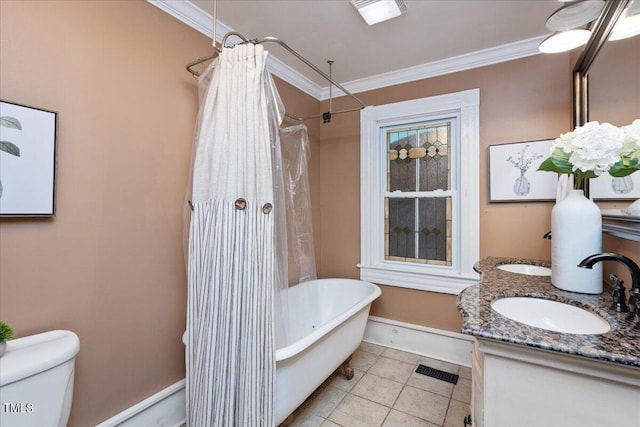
[
  {"x": 576, "y": 221},
  {"x": 595, "y": 148}
]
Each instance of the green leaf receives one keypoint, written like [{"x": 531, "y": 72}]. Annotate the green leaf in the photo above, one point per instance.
[
  {"x": 6, "y": 332},
  {"x": 10, "y": 148},
  {"x": 553, "y": 164},
  {"x": 563, "y": 163},
  {"x": 10, "y": 122},
  {"x": 621, "y": 169},
  {"x": 587, "y": 174},
  {"x": 547, "y": 166}
]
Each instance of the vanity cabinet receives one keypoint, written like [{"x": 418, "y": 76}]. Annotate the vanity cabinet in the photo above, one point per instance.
[
  {"x": 477, "y": 387},
  {"x": 515, "y": 385}
]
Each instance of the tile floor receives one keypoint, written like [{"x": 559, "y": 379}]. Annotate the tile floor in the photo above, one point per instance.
[{"x": 386, "y": 391}]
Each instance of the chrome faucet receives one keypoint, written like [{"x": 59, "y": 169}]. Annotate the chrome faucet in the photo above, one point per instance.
[{"x": 634, "y": 292}]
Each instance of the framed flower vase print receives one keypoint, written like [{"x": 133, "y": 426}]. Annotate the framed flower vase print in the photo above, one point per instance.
[
  {"x": 27, "y": 161},
  {"x": 514, "y": 175},
  {"x": 606, "y": 187}
]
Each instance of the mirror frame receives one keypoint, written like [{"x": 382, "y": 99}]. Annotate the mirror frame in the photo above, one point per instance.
[{"x": 599, "y": 34}]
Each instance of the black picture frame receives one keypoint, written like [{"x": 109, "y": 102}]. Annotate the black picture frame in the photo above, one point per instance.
[{"x": 27, "y": 160}]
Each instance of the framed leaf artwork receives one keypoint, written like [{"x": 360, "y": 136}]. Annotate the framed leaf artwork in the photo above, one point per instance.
[{"x": 27, "y": 160}]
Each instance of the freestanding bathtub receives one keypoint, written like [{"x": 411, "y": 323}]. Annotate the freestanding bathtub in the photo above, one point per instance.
[
  {"x": 323, "y": 338},
  {"x": 327, "y": 320}
]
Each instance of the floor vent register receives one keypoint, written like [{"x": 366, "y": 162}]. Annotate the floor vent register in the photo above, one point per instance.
[{"x": 438, "y": 374}]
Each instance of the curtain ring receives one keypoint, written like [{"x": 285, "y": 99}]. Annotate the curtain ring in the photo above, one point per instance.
[
  {"x": 240, "y": 204},
  {"x": 266, "y": 209}
]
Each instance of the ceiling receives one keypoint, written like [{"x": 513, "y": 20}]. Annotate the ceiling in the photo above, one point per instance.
[{"x": 431, "y": 32}]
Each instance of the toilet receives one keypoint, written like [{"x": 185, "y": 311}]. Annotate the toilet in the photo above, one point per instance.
[{"x": 36, "y": 379}]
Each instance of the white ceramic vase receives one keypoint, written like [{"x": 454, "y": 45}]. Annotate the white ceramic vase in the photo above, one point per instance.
[{"x": 576, "y": 233}]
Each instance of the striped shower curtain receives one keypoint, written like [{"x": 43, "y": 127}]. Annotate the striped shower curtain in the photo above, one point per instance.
[{"x": 232, "y": 264}]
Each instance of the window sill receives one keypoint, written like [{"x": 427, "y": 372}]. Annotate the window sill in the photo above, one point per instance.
[{"x": 446, "y": 282}]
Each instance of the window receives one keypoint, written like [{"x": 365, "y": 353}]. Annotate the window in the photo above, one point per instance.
[
  {"x": 419, "y": 185},
  {"x": 417, "y": 203}
]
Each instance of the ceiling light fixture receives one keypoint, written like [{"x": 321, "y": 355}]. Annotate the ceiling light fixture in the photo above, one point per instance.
[
  {"x": 564, "y": 41},
  {"x": 570, "y": 23},
  {"x": 626, "y": 27},
  {"x": 375, "y": 11},
  {"x": 566, "y": 22},
  {"x": 574, "y": 15},
  {"x": 628, "y": 24}
]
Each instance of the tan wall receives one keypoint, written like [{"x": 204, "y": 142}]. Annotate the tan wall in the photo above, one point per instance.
[
  {"x": 110, "y": 265},
  {"x": 522, "y": 100}
]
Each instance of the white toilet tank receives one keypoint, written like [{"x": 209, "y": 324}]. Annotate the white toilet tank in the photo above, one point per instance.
[{"x": 36, "y": 380}]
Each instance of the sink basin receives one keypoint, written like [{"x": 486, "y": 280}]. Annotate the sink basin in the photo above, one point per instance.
[
  {"x": 551, "y": 315},
  {"x": 529, "y": 269}
]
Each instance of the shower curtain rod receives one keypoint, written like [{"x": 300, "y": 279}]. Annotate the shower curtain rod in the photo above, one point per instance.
[{"x": 326, "y": 117}]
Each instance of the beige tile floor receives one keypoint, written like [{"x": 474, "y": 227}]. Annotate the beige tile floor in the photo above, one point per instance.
[{"x": 386, "y": 391}]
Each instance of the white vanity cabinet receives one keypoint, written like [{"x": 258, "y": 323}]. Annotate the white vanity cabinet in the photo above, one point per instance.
[
  {"x": 519, "y": 386},
  {"x": 477, "y": 384}
]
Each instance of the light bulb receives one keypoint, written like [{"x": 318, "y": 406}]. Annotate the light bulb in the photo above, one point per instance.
[
  {"x": 627, "y": 26},
  {"x": 564, "y": 41}
]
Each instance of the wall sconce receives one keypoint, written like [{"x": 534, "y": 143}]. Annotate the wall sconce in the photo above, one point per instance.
[{"x": 375, "y": 11}]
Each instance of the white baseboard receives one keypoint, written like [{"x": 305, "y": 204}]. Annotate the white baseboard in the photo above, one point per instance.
[
  {"x": 435, "y": 343},
  {"x": 165, "y": 408}
]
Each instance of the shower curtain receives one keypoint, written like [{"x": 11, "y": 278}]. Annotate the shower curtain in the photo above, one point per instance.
[{"x": 237, "y": 256}]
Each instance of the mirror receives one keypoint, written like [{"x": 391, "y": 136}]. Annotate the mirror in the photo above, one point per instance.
[
  {"x": 614, "y": 97},
  {"x": 614, "y": 83}
]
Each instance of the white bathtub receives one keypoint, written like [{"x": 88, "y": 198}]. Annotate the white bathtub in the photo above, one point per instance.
[
  {"x": 326, "y": 336},
  {"x": 325, "y": 330}
]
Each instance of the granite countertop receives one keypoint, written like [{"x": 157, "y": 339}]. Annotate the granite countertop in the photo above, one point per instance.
[{"x": 620, "y": 345}]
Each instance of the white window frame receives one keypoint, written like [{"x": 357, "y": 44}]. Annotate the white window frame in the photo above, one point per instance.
[{"x": 464, "y": 106}]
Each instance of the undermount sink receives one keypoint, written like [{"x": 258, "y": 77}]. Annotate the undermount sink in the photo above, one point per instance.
[
  {"x": 529, "y": 269},
  {"x": 551, "y": 315}
]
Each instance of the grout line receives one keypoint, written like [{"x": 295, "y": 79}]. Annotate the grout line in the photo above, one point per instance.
[{"x": 404, "y": 386}]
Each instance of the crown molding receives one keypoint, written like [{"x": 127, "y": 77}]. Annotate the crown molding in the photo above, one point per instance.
[
  {"x": 192, "y": 15},
  {"x": 481, "y": 58},
  {"x": 293, "y": 77},
  {"x": 188, "y": 13},
  {"x": 198, "y": 19}
]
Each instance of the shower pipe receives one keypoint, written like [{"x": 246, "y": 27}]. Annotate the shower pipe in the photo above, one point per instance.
[{"x": 326, "y": 117}]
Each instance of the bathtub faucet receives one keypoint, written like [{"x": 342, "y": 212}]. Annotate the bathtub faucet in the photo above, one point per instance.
[{"x": 634, "y": 292}]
